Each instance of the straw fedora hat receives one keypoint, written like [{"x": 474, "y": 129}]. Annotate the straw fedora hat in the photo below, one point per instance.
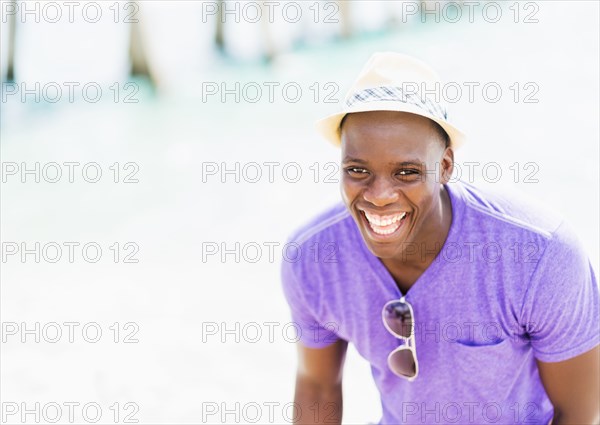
[{"x": 392, "y": 81}]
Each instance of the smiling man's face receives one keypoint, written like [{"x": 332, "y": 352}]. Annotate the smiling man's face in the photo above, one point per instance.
[{"x": 393, "y": 167}]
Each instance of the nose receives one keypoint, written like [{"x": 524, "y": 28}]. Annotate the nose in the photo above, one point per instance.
[{"x": 380, "y": 192}]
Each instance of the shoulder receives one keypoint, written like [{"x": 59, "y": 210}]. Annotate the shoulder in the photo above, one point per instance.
[
  {"x": 327, "y": 224},
  {"x": 510, "y": 216},
  {"x": 323, "y": 244},
  {"x": 507, "y": 210}
]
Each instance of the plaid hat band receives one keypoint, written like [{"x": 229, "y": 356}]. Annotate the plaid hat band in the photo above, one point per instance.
[{"x": 396, "y": 94}]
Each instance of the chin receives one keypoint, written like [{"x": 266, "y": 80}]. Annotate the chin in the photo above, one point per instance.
[{"x": 385, "y": 248}]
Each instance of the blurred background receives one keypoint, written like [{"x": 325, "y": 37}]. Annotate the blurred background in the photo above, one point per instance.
[{"x": 156, "y": 155}]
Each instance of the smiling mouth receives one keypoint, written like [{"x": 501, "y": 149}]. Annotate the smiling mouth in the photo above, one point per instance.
[{"x": 384, "y": 225}]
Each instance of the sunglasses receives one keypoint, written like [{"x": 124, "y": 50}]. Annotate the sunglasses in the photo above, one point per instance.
[{"x": 398, "y": 319}]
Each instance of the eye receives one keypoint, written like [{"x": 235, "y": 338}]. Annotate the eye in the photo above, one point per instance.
[
  {"x": 408, "y": 172},
  {"x": 356, "y": 171},
  {"x": 408, "y": 175}
]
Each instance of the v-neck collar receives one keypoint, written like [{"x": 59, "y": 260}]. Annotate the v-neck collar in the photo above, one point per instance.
[{"x": 454, "y": 193}]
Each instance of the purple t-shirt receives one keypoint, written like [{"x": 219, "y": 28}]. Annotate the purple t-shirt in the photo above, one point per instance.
[{"x": 511, "y": 284}]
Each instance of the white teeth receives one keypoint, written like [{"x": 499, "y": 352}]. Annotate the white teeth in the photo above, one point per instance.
[
  {"x": 384, "y": 220},
  {"x": 382, "y": 225},
  {"x": 385, "y": 232}
]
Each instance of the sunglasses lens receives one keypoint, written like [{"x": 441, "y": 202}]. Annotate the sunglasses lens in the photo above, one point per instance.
[
  {"x": 402, "y": 363},
  {"x": 398, "y": 318}
]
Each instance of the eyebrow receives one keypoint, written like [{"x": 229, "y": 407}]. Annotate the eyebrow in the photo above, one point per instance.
[{"x": 414, "y": 162}]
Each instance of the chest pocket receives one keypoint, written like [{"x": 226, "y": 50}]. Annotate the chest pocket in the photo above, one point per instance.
[
  {"x": 487, "y": 373},
  {"x": 484, "y": 370}
]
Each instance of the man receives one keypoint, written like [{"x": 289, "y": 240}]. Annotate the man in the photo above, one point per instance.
[{"x": 471, "y": 307}]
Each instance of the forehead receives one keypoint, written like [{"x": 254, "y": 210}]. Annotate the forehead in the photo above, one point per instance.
[{"x": 388, "y": 135}]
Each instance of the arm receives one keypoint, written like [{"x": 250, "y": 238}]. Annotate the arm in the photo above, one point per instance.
[
  {"x": 318, "y": 397},
  {"x": 560, "y": 316},
  {"x": 573, "y": 387}
]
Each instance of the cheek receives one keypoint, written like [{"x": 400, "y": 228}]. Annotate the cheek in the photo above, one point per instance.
[
  {"x": 349, "y": 189},
  {"x": 420, "y": 195}
]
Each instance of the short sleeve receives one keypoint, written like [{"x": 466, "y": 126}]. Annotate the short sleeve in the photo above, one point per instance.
[
  {"x": 302, "y": 301},
  {"x": 561, "y": 312}
]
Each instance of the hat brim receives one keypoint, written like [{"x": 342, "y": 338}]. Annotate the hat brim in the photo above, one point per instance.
[{"x": 329, "y": 127}]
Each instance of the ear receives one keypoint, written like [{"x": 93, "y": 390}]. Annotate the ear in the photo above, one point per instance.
[{"x": 447, "y": 165}]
